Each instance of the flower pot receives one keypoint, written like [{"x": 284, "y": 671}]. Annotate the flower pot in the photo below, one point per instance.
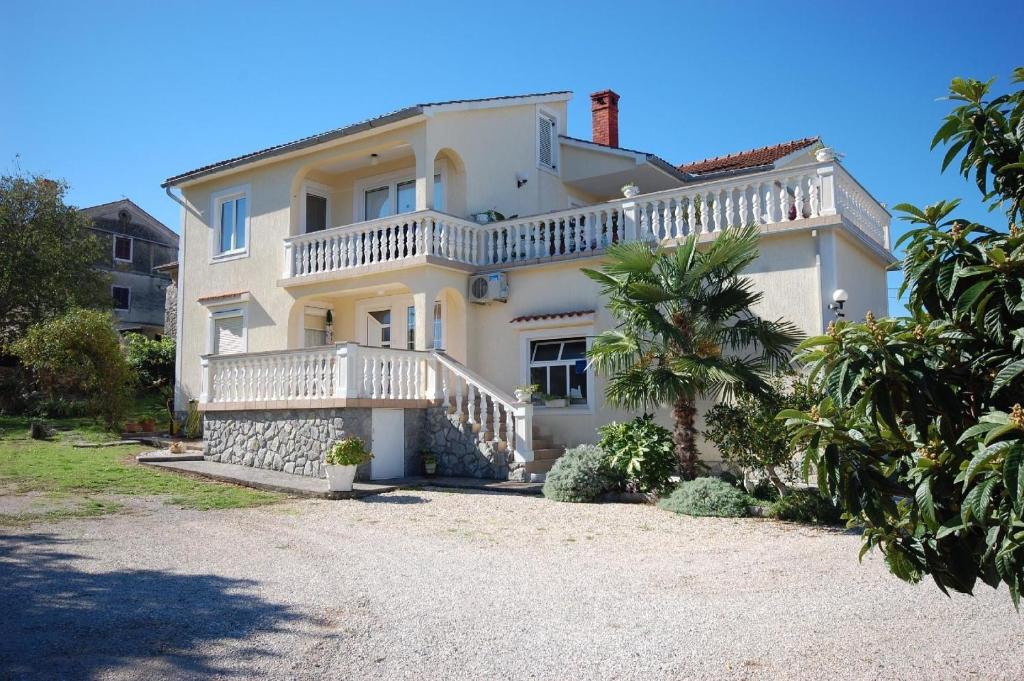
[
  {"x": 430, "y": 467},
  {"x": 523, "y": 396},
  {"x": 340, "y": 478},
  {"x": 132, "y": 427},
  {"x": 555, "y": 403},
  {"x": 825, "y": 154},
  {"x": 482, "y": 218},
  {"x": 630, "y": 191},
  {"x": 149, "y": 426}
]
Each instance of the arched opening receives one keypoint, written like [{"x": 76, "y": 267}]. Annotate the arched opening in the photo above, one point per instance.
[{"x": 450, "y": 183}]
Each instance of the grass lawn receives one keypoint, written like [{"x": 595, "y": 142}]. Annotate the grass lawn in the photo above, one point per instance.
[{"x": 52, "y": 480}]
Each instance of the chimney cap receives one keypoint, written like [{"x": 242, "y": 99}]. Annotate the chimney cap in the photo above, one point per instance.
[{"x": 604, "y": 98}]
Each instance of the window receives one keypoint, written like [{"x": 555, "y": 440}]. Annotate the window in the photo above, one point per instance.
[
  {"x": 315, "y": 327},
  {"x": 438, "y": 326},
  {"x": 122, "y": 297},
  {"x": 123, "y": 248},
  {"x": 559, "y": 367},
  {"x": 231, "y": 222},
  {"x": 393, "y": 194},
  {"x": 547, "y": 141},
  {"x": 316, "y": 213},
  {"x": 228, "y": 332},
  {"x": 378, "y": 329},
  {"x": 410, "y": 327}
]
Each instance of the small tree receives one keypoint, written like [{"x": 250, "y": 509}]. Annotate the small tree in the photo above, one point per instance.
[
  {"x": 920, "y": 437},
  {"x": 686, "y": 330},
  {"x": 750, "y": 437},
  {"x": 47, "y": 256},
  {"x": 79, "y": 354}
]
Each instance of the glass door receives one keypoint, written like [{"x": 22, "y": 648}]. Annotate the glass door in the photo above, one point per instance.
[{"x": 378, "y": 328}]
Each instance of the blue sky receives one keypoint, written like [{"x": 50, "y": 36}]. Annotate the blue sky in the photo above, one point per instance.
[{"x": 116, "y": 96}]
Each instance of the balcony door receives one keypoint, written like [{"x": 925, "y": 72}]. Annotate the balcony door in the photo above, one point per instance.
[
  {"x": 378, "y": 328},
  {"x": 393, "y": 194}
]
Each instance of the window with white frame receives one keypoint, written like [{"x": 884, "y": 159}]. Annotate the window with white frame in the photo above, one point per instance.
[
  {"x": 393, "y": 194},
  {"x": 315, "y": 327},
  {"x": 122, "y": 297},
  {"x": 231, "y": 223},
  {"x": 559, "y": 367},
  {"x": 438, "y": 325},
  {"x": 228, "y": 332},
  {"x": 547, "y": 141},
  {"x": 123, "y": 248}
]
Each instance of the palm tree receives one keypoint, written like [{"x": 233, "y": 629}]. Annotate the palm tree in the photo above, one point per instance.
[{"x": 685, "y": 330}]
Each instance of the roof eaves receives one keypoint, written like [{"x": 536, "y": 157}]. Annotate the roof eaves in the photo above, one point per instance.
[
  {"x": 296, "y": 145},
  {"x": 648, "y": 157}
]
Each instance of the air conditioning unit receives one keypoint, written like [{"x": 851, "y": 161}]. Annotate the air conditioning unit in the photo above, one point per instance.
[{"x": 488, "y": 288}]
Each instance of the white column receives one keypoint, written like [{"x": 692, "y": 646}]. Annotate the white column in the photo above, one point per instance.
[
  {"x": 204, "y": 396},
  {"x": 827, "y": 194},
  {"x": 289, "y": 259},
  {"x": 629, "y": 221},
  {"x": 524, "y": 433},
  {"x": 347, "y": 377}
]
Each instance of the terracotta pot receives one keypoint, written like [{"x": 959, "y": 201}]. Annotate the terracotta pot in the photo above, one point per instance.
[
  {"x": 149, "y": 426},
  {"x": 131, "y": 427}
]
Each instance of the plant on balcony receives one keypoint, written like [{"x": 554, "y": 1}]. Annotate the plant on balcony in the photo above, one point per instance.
[
  {"x": 920, "y": 437},
  {"x": 685, "y": 330},
  {"x": 525, "y": 393}
]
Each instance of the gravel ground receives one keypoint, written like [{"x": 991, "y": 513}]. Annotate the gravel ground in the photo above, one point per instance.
[{"x": 462, "y": 585}]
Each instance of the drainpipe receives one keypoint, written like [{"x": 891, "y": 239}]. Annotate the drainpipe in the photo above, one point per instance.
[{"x": 180, "y": 399}]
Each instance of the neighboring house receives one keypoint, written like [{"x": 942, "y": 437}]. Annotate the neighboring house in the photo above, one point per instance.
[
  {"x": 170, "y": 298},
  {"x": 136, "y": 243},
  {"x": 438, "y": 308}
]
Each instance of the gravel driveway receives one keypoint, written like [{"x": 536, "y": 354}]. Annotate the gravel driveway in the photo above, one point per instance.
[{"x": 462, "y": 585}]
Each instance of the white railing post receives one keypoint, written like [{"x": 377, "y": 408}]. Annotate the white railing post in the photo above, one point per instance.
[
  {"x": 524, "y": 432},
  {"x": 827, "y": 194},
  {"x": 435, "y": 387},
  {"x": 346, "y": 370},
  {"x": 289, "y": 259},
  {"x": 629, "y": 221},
  {"x": 204, "y": 396}
]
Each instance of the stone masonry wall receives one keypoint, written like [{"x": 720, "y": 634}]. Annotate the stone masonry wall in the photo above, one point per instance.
[
  {"x": 292, "y": 440},
  {"x": 459, "y": 452}
]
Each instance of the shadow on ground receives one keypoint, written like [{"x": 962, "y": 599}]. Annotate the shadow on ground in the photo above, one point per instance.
[
  {"x": 395, "y": 499},
  {"x": 58, "y": 621}
]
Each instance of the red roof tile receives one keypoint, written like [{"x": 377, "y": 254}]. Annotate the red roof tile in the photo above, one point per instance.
[
  {"x": 752, "y": 158},
  {"x": 551, "y": 315}
]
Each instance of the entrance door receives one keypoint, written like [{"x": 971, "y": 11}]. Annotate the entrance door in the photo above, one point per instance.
[
  {"x": 378, "y": 328},
  {"x": 387, "y": 440}
]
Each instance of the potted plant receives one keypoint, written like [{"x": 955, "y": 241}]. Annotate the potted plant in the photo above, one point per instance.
[
  {"x": 132, "y": 427},
  {"x": 148, "y": 424},
  {"x": 329, "y": 328},
  {"x": 553, "y": 400},
  {"x": 630, "y": 190},
  {"x": 488, "y": 216},
  {"x": 342, "y": 460},
  {"x": 429, "y": 462},
  {"x": 524, "y": 393}
]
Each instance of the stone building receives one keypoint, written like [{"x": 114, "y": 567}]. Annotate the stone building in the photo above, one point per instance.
[{"x": 137, "y": 243}]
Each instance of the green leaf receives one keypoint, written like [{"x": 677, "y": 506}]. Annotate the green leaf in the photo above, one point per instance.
[
  {"x": 977, "y": 500},
  {"x": 983, "y": 457},
  {"x": 1007, "y": 374},
  {"x": 923, "y": 494}
]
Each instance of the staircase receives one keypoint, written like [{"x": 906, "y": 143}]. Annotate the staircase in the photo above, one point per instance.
[{"x": 545, "y": 453}]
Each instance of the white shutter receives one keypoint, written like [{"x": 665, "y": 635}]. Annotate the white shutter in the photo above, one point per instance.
[
  {"x": 227, "y": 335},
  {"x": 545, "y": 141}
]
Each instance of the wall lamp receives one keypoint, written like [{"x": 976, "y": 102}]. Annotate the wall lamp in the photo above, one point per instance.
[{"x": 839, "y": 298}]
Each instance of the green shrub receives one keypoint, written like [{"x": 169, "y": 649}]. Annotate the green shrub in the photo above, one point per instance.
[
  {"x": 580, "y": 475},
  {"x": 79, "y": 356},
  {"x": 351, "y": 451},
  {"x": 706, "y": 497},
  {"x": 750, "y": 438},
  {"x": 641, "y": 453},
  {"x": 805, "y": 506},
  {"x": 152, "y": 360}
]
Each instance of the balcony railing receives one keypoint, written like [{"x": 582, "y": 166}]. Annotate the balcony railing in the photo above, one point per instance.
[
  {"x": 784, "y": 197},
  {"x": 336, "y": 375}
]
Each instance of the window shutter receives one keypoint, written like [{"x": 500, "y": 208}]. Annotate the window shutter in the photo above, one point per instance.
[
  {"x": 227, "y": 335},
  {"x": 545, "y": 142}
]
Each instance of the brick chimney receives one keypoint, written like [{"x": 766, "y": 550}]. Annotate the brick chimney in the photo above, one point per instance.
[{"x": 604, "y": 108}]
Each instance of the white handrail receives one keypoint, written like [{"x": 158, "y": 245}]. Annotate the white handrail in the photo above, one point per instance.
[{"x": 486, "y": 408}]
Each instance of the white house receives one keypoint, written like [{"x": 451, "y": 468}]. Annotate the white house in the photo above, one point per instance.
[{"x": 397, "y": 278}]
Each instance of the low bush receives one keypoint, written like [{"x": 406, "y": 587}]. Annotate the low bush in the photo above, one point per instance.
[
  {"x": 78, "y": 356},
  {"x": 580, "y": 475},
  {"x": 641, "y": 453},
  {"x": 152, "y": 360},
  {"x": 706, "y": 497},
  {"x": 805, "y": 506}
]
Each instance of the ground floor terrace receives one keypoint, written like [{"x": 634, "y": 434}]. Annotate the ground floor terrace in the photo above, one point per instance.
[{"x": 427, "y": 584}]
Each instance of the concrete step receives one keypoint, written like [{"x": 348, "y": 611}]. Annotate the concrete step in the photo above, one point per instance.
[
  {"x": 548, "y": 453},
  {"x": 539, "y": 465}
]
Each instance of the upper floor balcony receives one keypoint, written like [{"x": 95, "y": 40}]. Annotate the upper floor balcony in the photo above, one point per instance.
[{"x": 800, "y": 197}]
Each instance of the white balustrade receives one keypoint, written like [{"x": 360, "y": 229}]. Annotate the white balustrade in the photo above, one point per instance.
[
  {"x": 390, "y": 239},
  {"x": 302, "y": 378},
  {"x": 700, "y": 207},
  {"x": 491, "y": 412}
]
